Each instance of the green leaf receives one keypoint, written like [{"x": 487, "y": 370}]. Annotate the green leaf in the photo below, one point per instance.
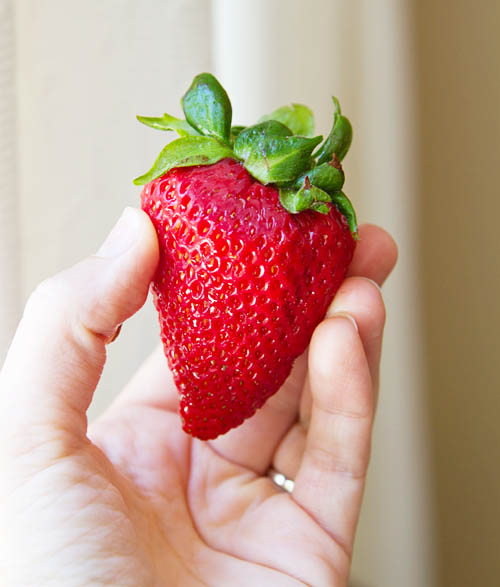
[
  {"x": 346, "y": 208},
  {"x": 320, "y": 207},
  {"x": 271, "y": 154},
  {"x": 325, "y": 176},
  {"x": 185, "y": 152},
  {"x": 308, "y": 197},
  {"x": 269, "y": 128},
  {"x": 207, "y": 107},
  {"x": 167, "y": 122},
  {"x": 340, "y": 137},
  {"x": 235, "y": 131},
  {"x": 297, "y": 117}
]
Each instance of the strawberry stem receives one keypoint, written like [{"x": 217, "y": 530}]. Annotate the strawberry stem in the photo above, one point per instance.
[{"x": 278, "y": 150}]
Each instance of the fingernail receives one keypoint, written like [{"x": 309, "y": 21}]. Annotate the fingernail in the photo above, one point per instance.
[
  {"x": 115, "y": 335},
  {"x": 373, "y": 282},
  {"x": 344, "y": 315},
  {"x": 122, "y": 237}
]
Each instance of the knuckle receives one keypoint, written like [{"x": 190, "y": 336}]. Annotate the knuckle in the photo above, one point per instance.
[
  {"x": 51, "y": 292},
  {"x": 352, "y": 466}
]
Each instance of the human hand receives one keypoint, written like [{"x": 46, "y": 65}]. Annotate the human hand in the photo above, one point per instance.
[{"x": 135, "y": 501}]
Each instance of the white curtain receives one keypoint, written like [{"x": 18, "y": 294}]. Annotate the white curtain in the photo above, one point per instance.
[{"x": 82, "y": 71}]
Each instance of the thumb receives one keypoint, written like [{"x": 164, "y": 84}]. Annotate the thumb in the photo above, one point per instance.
[{"x": 58, "y": 352}]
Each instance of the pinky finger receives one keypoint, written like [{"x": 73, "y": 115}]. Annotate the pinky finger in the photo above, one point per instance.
[{"x": 331, "y": 477}]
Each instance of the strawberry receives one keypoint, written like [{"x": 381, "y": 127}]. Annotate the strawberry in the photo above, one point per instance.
[{"x": 255, "y": 238}]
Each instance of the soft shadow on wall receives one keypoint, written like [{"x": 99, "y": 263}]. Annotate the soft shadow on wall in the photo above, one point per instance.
[{"x": 458, "y": 53}]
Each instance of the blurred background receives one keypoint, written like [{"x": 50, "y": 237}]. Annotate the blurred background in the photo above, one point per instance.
[{"x": 420, "y": 81}]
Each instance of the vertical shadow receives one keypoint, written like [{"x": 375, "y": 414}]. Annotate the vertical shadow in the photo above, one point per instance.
[{"x": 458, "y": 52}]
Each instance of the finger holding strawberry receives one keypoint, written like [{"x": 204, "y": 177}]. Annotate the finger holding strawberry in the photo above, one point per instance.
[
  {"x": 276, "y": 435},
  {"x": 136, "y": 501}
]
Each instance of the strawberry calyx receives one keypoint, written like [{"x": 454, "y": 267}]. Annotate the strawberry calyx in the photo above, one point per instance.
[
  {"x": 207, "y": 108},
  {"x": 272, "y": 154},
  {"x": 278, "y": 150},
  {"x": 339, "y": 140}
]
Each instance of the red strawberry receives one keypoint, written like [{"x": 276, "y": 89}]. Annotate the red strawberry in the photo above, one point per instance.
[{"x": 246, "y": 270}]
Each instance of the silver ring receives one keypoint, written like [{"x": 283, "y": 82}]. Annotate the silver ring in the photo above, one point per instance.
[{"x": 281, "y": 481}]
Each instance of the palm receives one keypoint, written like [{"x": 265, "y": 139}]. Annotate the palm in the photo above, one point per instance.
[{"x": 214, "y": 522}]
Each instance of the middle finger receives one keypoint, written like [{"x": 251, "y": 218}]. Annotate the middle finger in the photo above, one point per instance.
[{"x": 360, "y": 298}]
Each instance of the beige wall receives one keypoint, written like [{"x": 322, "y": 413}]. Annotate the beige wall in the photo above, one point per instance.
[
  {"x": 10, "y": 303},
  {"x": 458, "y": 51}
]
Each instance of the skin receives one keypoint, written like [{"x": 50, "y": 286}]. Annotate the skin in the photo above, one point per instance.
[{"x": 132, "y": 500}]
